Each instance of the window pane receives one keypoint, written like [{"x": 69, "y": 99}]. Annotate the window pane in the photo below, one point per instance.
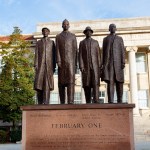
[
  {"x": 142, "y": 98},
  {"x": 54, "y": 98},
  {"x": 140, "y": 62},
  {"x": 77, "y": 98},
  {"x": 140, "y": 57},
  {"x": 101, "y": 96},
  {"x": 125, "y": 96},
  {"x": 140, "y": 67}
]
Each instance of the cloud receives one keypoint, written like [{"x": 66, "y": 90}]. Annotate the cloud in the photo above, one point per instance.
[{"x": 7, "y": 2}]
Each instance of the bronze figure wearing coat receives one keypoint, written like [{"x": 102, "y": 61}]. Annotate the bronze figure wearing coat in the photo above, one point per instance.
[
  {"x": 44, "y": 67},
  {"x": 66, "y": 57},
  {"x": 89, "y": 64},
  {"x": 113, "y": 64}
]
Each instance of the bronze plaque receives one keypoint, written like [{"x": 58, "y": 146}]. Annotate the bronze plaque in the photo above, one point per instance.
[{"x": 95, "y": 129}]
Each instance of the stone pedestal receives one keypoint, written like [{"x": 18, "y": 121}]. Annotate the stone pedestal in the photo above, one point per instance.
[{"x": 78, "y": 127}]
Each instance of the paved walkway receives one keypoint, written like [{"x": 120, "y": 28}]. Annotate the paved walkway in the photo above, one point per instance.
[
  {"x": 10, "y": 147},
  {"x": 142, "y": 146},
  {"x": 138, "y": 146}
]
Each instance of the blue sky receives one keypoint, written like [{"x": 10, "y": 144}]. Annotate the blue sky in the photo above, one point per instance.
[{"x": 27, "y": 13}]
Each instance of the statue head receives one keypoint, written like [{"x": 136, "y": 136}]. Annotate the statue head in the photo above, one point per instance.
[
  {"x": 45, "y": 31},
  {"x": 65, "y": 25},
  {"x": 88, "y": 31},
  {"x": 112, "y": 28}
]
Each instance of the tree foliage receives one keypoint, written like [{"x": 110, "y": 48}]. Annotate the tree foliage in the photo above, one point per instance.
[{"x": 16, "y": 77}]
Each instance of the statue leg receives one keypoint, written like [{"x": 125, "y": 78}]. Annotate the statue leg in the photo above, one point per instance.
[
  {"x": 46, "y": 95},
  {"x": 70, "y": 93},
  {"x": 46, "y": 90},
  {"x": 62, "y": 93},
  {"x": 119, "y": 91},
  {"x": 87, "y": 92},
  {"x": 110, "y": 91},
  {"x": 96, "y": 94},
  {"x": 40, "y": 96}
]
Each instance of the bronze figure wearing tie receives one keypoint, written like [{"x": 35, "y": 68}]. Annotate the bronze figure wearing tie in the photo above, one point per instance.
[
  {"x": 66, "y": 57},
  {"x": 89, "y": 64},
  {"x": 44, "y": 67},
  {"x": 113, "y": 64}
]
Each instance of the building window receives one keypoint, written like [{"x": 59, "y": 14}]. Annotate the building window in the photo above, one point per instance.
[
  {"x": 140, "y": 62},
  {"x": 125, "y": 97},
  {"x": 54, "y": 98},
  {"x": 143, "y": 98},
  {"x": 77, "y": 98},
  {"x": 101, "y": 96}
]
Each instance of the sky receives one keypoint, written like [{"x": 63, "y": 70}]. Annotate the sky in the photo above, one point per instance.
[{"x": 26, "y": 14}]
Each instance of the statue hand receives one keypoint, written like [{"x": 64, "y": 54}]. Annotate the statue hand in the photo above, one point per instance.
[
  {"x": 82, "y": 69},
  {"x": 59, "y": 64},
  {"x": 122, "y": 66},
  {"x": 101, "y": 67}
]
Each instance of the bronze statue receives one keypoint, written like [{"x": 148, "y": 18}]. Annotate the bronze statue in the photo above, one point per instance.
[
  {"x": 44, "y": 67},
  {"x": 89, "y": 64},
  {"x": 113, "y": 64},
  {"x": 66, "y": 58}
]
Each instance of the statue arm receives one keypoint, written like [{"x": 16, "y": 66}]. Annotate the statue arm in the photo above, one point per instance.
[
  {"x": 81, "y": 66},
  {"x": 99, "y": 55},
  {"x": 76, "y": 51},
  {"x": 58, "y": 59},
  {"x": 123, "y": 54},
  {"x": 36, "y": 57},
  {"x": 102, "y": 53},
  {"x": 54, "y": 56}
]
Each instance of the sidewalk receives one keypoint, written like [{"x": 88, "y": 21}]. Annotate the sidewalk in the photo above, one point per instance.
[
  {"x": 142, "y": 146},
  {"x": 138, "y": 146},
  {"x": 10, "y": 147}
]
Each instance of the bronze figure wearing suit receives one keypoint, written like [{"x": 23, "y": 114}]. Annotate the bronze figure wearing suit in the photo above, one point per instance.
[
  {"x": 66, "y": 55},
  {"x": 89, "y": 64},
  {"x": 44, "y": 67},
  {"x": 113, "y": 64}
]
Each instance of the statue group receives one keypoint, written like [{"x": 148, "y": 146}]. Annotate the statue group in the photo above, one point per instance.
[{"x": 109, "y": 66}]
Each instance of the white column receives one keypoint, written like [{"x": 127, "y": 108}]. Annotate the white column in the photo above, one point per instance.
[
  {"x": 133, "y": 78},
  {"x": 83, "y": 96},
  {"x": 148, "y": 66}
]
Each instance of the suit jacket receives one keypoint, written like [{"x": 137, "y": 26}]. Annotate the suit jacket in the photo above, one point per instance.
[
  {"x": 44, "y": 62},
  {"x": 85, "y": 63},
  {"x": 113, "y": 56},
  {"x": 66, "y": 55}
]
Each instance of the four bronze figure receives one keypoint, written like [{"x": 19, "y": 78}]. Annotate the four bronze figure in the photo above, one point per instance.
[{"x": 109, "y": 66}]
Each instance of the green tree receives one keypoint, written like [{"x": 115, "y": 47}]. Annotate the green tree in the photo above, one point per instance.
[{"x": 16, "y": 77}]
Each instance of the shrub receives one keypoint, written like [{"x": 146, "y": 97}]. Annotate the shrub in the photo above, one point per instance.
[
  {"x": 15, "y": 135},
  {"x": 3, "y": 136}
]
